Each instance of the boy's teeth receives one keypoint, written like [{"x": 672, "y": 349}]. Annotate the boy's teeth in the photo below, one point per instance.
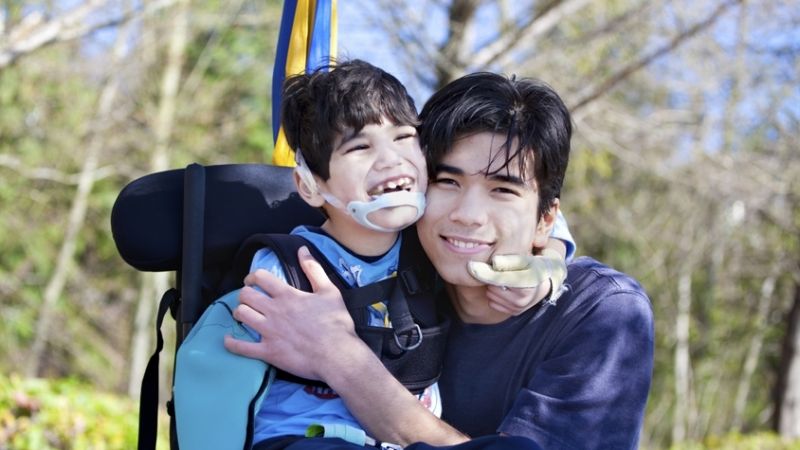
[{"x": 391, "y": 185}]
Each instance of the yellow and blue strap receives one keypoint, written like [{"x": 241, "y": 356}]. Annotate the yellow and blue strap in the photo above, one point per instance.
[{"x": 307, "y": 41}]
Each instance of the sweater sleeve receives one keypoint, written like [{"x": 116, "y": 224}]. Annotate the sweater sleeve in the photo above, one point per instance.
[{"x": 591, "y": 390}]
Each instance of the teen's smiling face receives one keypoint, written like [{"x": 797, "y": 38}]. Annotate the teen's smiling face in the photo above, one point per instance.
[
  {"x": 378, "y": 159},
  {"x": 471, "y": 216}
]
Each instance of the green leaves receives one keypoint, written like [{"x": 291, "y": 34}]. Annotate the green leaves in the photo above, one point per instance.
[{"x": 38, "y": 414}]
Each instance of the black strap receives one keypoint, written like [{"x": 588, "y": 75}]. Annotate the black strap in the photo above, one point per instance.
[
  {"x": 285, "y": 247},
  {"x": 411, "y": 305},
  {"x": 191, "y": 271},
  {"x": 418, "y": 278},
  {"x": 148, "y": 396}
]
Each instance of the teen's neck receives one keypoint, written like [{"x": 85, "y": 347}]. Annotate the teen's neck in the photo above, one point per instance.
[
  {"x": 472, "y": 305},
  {"x": 360, "y": 240}
]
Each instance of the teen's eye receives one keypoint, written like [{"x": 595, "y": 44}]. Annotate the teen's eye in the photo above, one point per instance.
[
  {"x": 445, "y": 181},
  {"x": 507, "y": 191}
]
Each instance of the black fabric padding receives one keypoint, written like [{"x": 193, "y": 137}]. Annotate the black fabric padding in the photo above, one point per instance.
[{"x": 241, "y": 200}]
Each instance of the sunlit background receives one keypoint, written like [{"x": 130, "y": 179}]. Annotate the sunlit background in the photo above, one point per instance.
[{"x": 685, "y": 173}]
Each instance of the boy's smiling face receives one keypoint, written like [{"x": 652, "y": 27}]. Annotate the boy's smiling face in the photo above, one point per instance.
[{"x": 378, "y": 159}]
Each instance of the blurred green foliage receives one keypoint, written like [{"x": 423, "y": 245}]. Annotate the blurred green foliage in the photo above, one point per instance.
[
  {"x": 40, "y": 414},
  {"x": 738, "y": 441}
]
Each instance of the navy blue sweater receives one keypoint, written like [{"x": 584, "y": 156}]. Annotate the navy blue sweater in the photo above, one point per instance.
[{"x": 571, "y": 375}]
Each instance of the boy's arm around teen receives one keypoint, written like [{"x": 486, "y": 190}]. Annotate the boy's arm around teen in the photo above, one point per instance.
[{"x": 582, "y": 384}]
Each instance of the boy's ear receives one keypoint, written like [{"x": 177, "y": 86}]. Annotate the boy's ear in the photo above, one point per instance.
[
  {"x": 544, "y": 227},
  {"x": 310, "y": 194}
]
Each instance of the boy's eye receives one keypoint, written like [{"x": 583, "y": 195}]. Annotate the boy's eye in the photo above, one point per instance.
[
  {"x": 357, "y": 148},
  {"x": 405, "y": 136}
]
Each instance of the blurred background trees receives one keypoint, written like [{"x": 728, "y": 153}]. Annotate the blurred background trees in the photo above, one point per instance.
[{"x": 684, "y": 173}]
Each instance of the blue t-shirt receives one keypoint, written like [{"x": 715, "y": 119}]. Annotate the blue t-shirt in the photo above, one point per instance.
[
  {"x": 561, "y": 232},
  {"x": 290, "y": 408},
  {"x": 572, "y": 375}
]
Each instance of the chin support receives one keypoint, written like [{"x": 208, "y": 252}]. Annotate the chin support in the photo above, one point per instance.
[{"x": 361, "y": 210}]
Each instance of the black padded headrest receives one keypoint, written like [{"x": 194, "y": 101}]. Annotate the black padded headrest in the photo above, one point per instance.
[{"x": 240, "y": 200}]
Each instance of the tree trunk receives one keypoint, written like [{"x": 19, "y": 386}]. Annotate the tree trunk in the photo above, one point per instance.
[
  {"x": 753, "y": 351},
  {"x": 77, "y": 215},
  {"x": 154, "y": 284},
  {"x": 682, "y": 357},
  {"x": 452, "y": 54},
  {"x": 787, "y": 404}
]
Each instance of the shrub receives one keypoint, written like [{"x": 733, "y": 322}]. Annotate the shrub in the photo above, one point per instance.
[{"x": 40, "y": 414}]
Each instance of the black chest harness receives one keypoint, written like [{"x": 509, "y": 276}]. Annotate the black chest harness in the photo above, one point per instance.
[{"x": 412, "y": 349}]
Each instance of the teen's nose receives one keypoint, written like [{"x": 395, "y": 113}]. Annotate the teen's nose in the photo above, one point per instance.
[{"x": 468, "y": 208}]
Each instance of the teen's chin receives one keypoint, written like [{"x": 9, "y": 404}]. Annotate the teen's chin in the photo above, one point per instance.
[
  {"x": 397, "y": 217},
  {"x": 456, "y": 273}
]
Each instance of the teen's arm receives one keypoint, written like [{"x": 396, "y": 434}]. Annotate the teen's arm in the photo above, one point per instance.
[{"x": 312, "y": 335}]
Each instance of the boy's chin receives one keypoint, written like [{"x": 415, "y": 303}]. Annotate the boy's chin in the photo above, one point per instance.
[{"x": 395, "y": 218}]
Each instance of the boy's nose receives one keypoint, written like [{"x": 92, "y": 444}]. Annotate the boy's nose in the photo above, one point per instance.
[{"x": 387, "y": 157}]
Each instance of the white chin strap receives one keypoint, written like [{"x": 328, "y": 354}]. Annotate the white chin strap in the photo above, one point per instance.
[{"x": 360, "y": 210}]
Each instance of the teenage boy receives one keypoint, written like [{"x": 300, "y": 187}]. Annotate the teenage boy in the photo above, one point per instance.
[{"x": 568, "y": 374}]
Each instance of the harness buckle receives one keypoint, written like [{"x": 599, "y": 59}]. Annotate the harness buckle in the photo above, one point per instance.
[{"x": 414, "y": 331}]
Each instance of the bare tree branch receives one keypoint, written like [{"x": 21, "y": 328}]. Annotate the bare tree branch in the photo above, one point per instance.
[
  {"x": 34, "y": 33},
  {"x": 594, "y": 92},
  {"x": 529, "y": 32},
  {"x": 50, "y": 174}
]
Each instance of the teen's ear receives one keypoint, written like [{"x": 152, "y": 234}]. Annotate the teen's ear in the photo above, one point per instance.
[
  {"x": 310, "y": 194},
  {"x": 544, "y": 227}
]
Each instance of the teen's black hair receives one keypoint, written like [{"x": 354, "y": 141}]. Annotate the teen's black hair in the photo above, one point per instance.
[
  {"x": 528, "y": 113},
  {"x": 332, "y": 99}
]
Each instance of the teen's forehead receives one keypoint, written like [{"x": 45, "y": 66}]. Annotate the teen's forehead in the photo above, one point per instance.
[{"x": 483, "y": 153}]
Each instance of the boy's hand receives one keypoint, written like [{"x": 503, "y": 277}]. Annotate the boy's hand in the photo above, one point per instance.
[
  {"x": 521, "y": 271},
  {"x": 516, "y": 281}
]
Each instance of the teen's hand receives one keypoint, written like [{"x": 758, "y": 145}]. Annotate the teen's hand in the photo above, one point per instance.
[{"x": 303, "y": 333}]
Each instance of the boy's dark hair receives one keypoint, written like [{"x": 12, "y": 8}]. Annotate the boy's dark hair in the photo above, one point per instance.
[
  {"x": 350, "y": 95},
  {"x": 529, "y": 113}
]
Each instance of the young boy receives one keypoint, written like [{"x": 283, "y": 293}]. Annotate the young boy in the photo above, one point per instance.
[{"x": 353, "y": 130}]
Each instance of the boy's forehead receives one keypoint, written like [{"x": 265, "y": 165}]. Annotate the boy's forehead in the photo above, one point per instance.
[
  {"x": 345, "y": 134},
  {"x": 348, "y": 132}
]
